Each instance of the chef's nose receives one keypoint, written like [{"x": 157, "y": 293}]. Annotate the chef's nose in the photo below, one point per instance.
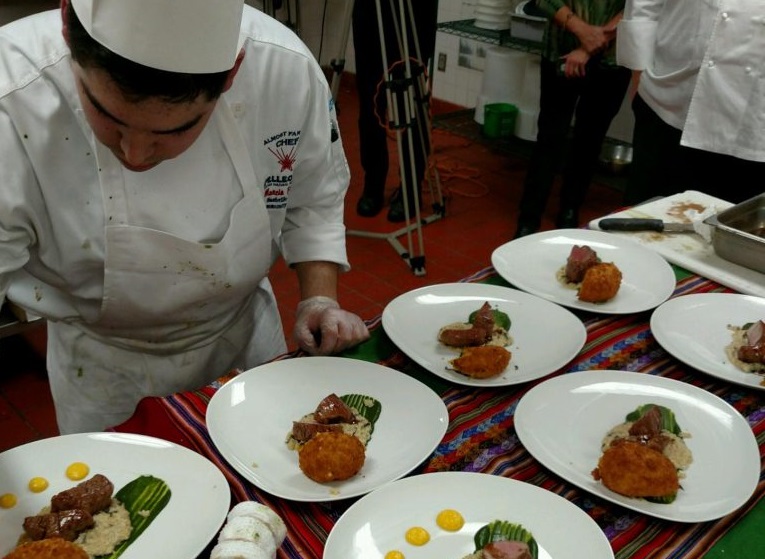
[{"x": 137, "y": 148}]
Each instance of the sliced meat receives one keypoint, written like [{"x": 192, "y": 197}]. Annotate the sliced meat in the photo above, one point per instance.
[
  {"x": 755, "y": 334},
  {"x": 92, "y": 495},
  {"x": 649, "y": 425},
  {"x": 754, "y": 351},
  {"x": 463, "y": 337},
  {"x": 479, "y": 334},
  {"x": 333, "y": 410},
  {"x": 656, "y": 442},
  {"x": 580, "y": 259},
  {"x": 65, "y": 524},
  {"x": 304, "y": 430},
  {"x": 749, "y": 354},
  {"x": 506, "y": 549},
  {"x": 484, "y": 319}
]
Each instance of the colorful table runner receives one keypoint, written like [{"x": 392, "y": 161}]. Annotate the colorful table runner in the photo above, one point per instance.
[{"x": 481, "y": 438}]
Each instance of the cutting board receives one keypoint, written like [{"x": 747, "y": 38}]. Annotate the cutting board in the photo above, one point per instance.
[{"x": 690, "y": 250}]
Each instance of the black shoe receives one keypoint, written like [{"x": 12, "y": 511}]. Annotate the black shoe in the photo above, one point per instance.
[
  {"x": 568, "y": 218},
  {"x": 396, "y": 211},
  {"x": 524, "y": 229},
  {"x": 369, "y": 206}
]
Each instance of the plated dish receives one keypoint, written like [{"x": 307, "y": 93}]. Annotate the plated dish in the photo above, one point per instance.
[
  {"x": 191, "y": 478},
  {"x": 412, "y": 321},
  {"x": 377, "y": 523},
  {"x": 561, "y": 422},
  {"x": 250, "y": 416},
  {"x": 531, "y": 263},
  {"x": 694, "y": 329}
]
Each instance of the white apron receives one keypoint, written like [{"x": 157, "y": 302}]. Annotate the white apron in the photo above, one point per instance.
[{"x": 176, "y": 314}]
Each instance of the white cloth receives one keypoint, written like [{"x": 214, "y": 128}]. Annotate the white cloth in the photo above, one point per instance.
[
  {"x": 703, "y": 69},
  {"x": 58, "y": 257}
]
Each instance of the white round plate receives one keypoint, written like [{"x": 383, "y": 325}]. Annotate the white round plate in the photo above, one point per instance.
[
  {"x": 694, "y": 329},
  {"x": 199, "y": 501},
  {"x": 531, "y": 263},
  {"x": 503, "y": 4},
  {"x": 376, "y": 523},
  {"x": 492, "y": 24},
  {"x": 487, "y": 12},
  {"x": 562, "y": 422},
  {"x": 412, "y": 321},
  {"x": 250, "y": 416}
]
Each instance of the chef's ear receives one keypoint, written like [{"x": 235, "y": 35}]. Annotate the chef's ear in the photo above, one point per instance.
[
  {"x": 64, "y": 26},
  {"x": 233, "y": 71}
]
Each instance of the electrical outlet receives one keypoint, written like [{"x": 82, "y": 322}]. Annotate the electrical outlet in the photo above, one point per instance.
[{"x": 442, "y": 62}]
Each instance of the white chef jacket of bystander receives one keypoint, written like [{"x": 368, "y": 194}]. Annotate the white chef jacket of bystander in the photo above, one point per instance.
[
  {"x": 703, "y": 69},
  {"x": 263, "y": 178}
]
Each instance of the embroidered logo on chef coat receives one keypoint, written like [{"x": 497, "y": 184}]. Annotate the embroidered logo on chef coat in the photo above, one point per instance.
[{"x": 283, "y": 146}]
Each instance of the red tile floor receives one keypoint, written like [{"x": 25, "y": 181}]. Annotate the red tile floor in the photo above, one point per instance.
[{"x": 481, "y": 182}]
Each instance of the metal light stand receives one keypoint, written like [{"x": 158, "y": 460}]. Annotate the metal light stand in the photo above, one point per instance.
[
  {"x": 338, "y": 64},
  {"x": 411, "y": 97}
]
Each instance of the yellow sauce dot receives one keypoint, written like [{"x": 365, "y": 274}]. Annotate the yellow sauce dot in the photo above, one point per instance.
[
  {"x": 77, "y": 471},
  {"x": 38, "y": 484},
  {"x": 450, "y": 520},
  {"x": 8, "y": 501},
  {"x": 395, "y": 554},
  {"x": 417, "y": 536}
]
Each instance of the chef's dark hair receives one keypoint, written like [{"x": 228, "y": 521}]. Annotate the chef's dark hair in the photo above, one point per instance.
[{"x": 136, "y": 81}]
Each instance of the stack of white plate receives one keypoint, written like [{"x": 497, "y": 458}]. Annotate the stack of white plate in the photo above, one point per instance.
[{"x": 493, "y": 14}]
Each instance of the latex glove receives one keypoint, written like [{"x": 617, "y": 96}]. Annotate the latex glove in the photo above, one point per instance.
[{"x": 323, "y": 328}]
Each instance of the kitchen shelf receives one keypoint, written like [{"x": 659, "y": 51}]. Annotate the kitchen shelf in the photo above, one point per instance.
[{"x": 466, "y": 28}]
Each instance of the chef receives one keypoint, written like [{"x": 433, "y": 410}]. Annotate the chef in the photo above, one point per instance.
[
  {"x": 156, "y": 157},
  {"x": 700, "y": 103}
]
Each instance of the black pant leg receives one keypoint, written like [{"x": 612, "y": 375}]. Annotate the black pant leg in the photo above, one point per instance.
[
  {"x": 657, "y": 161},
  {"x": 600, "y": 99},
  {"x": 373, "y": 143},
  {"x": 557, "y": 100}
]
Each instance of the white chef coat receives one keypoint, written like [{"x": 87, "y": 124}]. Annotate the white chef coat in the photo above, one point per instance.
[
  {"x": 703, "y": 69},
  {"x": 267, "y": 176}
]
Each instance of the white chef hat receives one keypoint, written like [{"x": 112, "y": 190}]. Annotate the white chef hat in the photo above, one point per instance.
[{"x": 187, "y": 36}]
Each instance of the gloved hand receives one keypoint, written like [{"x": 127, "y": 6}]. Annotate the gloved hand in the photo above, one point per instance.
[{"x": 323, "y": 328}]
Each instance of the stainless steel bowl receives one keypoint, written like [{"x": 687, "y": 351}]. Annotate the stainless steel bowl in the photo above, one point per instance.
[
  {"x": 738, "y": 233},
  {"x": 616, "y": 157}
]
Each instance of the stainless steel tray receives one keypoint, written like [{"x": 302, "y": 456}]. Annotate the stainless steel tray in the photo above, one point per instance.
[{"x": 738, "y": 233}]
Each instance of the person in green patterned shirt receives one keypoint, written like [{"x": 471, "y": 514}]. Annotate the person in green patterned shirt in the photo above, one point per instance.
[{"x": 580, "y": 80}]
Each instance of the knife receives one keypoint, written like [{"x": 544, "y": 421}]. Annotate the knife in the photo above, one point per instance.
[{"x": 643, "y": 224}]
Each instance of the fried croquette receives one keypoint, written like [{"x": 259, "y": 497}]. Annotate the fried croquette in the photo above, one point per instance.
[
  {"x": 331, "y": 457},
  {"x": 482, "y": 362},
  {"x": 601, "y": 283},
  {"x": 52, "y": 548},
  {"x": 635, "y": 470}
]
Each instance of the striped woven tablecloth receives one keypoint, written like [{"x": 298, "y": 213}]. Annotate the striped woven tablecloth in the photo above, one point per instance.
[{"x": 481, "y": 438}]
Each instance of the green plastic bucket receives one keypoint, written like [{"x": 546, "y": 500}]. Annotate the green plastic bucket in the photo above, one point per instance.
[{"x": 499, "y": 120}]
